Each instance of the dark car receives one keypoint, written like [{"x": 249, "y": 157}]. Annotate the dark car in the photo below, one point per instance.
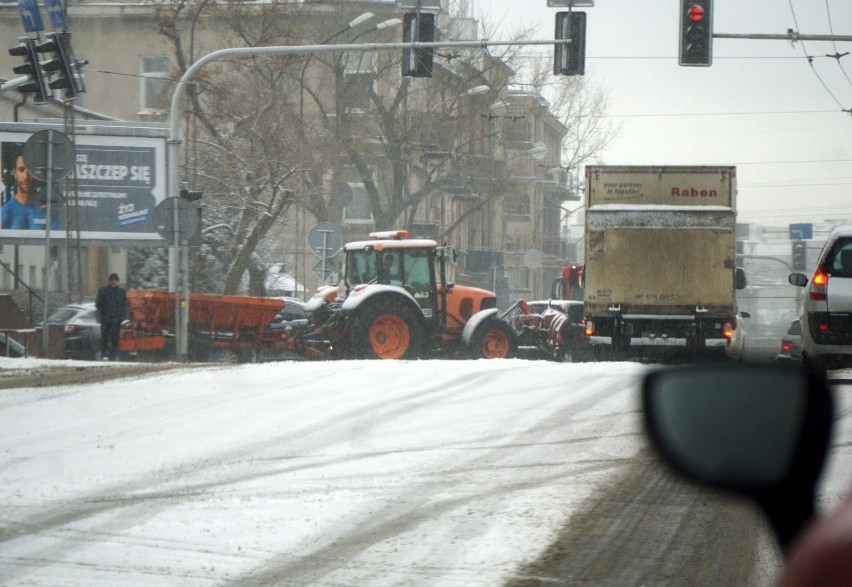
[
  {"x": 82, "y": 330},
  {"x": 291, "y": 319},
  {"x": 791, "y": 344},
  {"x": 9, "y": 347},
  {"x": 292, "y": 315}
]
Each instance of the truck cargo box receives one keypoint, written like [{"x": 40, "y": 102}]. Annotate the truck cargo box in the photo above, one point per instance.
[
  {"x": 664, "y": 271},
  {"x": 660, "y": 256}
]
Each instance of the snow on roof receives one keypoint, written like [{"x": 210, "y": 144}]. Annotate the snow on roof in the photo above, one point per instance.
[{"x": 411, "y": 243}]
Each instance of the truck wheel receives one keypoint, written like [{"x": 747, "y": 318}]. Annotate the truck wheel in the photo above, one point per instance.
[
  {"x": 493, "y": 339},
  {"x": 385, "y": 331}
]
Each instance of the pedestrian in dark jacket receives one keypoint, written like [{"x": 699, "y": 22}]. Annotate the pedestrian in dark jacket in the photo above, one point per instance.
[{"x": 111, "y": 303}]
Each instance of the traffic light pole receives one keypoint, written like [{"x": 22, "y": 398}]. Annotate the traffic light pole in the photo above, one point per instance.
[
  {"x": 790, "y": 36},
  {"x": 180, "y": 251},
  {"x": 13, "y": 84}
]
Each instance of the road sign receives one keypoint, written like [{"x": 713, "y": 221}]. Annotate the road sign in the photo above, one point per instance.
[
  {"x": 56, "y": 13},
  {"x": 30, "y": 16},
  {"x": 323, "y": 269},
  {"x": 49, "y": 146},
  {"x": 176, "y": 219},
  {"x": 325, "y": 239},
  {"x": 804, "y": 231}
]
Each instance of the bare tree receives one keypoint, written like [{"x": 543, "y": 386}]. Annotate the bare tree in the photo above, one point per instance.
[
  {"x": 241, "y": 148},
  {"x": 265, "y": 133}
]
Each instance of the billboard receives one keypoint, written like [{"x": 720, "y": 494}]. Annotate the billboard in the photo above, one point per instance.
[{"x": 119, "y": 177}]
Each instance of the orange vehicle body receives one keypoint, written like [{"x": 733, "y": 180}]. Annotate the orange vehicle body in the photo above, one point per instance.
[{"x": 234, "y": 322}]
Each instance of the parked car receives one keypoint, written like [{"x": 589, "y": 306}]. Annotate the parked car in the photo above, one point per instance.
[
  {"x": 826, "y": 314},
  {"x": 791, "y": 344},
  {"x": 292, "y": 318},
  {"x": 82, "y": 330},
  {"x": 292, "y": 315},
  {"x": 9, "y": 347}
]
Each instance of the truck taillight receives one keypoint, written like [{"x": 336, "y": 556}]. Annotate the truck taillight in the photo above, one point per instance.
[
  {"x": 728, "y": 330},
  {"x": 590, "y": 327},
  {"x": 819, "y": 285}
]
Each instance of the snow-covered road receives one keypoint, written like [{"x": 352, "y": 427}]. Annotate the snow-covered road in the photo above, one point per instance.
[{"x": 341, "y": 473}]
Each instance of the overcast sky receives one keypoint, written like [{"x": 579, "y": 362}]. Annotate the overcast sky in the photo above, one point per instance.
[{"x": 761, "y": 106}]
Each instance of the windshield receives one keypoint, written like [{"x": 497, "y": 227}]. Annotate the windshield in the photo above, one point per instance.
[
  {"x": 405, "y": 267},
  {"x": 360, "y": 267}
]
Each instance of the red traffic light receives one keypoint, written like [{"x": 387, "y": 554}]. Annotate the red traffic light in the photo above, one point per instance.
[{"x": 695, "y": 13}]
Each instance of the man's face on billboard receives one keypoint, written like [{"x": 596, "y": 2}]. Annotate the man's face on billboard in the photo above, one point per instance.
[{"x": 23, "y": 179}]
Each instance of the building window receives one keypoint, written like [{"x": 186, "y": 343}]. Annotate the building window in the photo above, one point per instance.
[
  {"x": 155, "y": 77},
  {"x": 359, "y": 62},
  {"x": 358, "y": 80},
  {"x": 516, "y": 206},
  {"x": 357, "y": 211}
]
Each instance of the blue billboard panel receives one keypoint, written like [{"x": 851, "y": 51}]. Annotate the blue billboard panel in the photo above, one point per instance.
[{"x": 111, "y": 194}]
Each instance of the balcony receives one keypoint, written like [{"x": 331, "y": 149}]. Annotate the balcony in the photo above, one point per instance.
[{"x": 481, "y": 167}]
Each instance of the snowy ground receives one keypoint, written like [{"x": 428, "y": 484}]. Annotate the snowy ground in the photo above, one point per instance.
[{"x": 304, "y": 473}]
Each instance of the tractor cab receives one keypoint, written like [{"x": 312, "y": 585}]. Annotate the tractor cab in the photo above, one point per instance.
[{"x": 390, "y": 258}]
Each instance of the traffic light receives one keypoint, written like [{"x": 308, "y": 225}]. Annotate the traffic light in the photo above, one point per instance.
[
  {"x": 418, "y": 27},
  {"x": 696, "y": 33},
  {"x": 62, "y": 64},
  {"x": 570, "y": 59},
  {"x": 800, "y": 254},
  {"x": 31, "y": 68}
]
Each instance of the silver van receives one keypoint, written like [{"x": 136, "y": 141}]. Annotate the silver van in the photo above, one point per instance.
[{"x": 826, "y": 312}]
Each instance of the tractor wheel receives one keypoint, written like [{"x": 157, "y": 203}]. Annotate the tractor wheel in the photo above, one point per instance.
[
  {"x": 493, "y": 339},
  {"x": 387, "y": 330}
]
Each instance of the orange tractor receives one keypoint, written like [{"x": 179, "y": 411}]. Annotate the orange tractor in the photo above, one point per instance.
[{"x": 396, "y": 300}]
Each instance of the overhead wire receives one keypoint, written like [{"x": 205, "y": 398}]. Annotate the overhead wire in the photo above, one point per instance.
[
  {"x": 837, "y": 54},
  {"x": 810, "y": 58}
]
